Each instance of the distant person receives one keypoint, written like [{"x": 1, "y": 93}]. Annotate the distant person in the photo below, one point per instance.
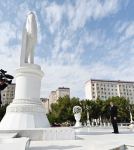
[{"x": 113, "y": 114}]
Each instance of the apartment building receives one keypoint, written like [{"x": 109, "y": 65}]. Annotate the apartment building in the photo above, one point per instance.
[
  {"x": 60, "y": 92},
  {"x": 52, "y": 97},
  {"x": 104, "y": 89},
  {"x": 7, "y": 95}
]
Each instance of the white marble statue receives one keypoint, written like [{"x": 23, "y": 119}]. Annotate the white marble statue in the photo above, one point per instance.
[
  {"x": 29, "y": 40},
  {"x": 26, "y": 110}
]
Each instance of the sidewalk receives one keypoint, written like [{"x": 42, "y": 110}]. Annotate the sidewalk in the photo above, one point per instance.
[{"x": 94, "y": 138}]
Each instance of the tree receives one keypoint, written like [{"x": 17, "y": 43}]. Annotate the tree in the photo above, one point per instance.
[
  {"x": 123, "y": 108},
  {"x": 62, "y": 111}
]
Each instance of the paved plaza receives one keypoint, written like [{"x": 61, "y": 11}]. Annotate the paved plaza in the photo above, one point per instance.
[
  {"x": 91, "y": 138},
  {"x": 94, "y": 138}
]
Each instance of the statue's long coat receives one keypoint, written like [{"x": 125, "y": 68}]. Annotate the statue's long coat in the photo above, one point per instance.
[{"x": 29, "y": 40}]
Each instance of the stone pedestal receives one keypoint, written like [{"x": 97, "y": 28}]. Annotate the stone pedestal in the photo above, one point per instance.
[{"x": 26, "y": 110}]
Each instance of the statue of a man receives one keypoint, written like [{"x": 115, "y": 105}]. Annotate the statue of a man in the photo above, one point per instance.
[{"x": 29, "y": 40}]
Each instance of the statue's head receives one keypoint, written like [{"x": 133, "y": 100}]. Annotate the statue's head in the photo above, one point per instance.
[
  {"x": 31, "y": 25},
  {"x": 30, "y": 13}
]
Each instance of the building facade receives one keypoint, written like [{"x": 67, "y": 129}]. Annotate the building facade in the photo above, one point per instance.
[
  {"x": 60, "y": 92},
  {"x": 52, "y": 97},
  {"x": 7, "y": 95},
  {"x": 104, "y": 89}
]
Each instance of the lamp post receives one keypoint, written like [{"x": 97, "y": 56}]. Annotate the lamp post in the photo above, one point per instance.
[
  {"x": 131, "y": 117},
  {"x": 131, "y": 126},
  {"x": 88, "y": 121}
]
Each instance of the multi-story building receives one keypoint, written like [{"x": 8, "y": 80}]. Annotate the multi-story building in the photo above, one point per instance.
[
  {"x": 60, "y": 92},
  {"x": 52, "y": 97},
  {"x": 7, "y": 95},
  {"x": 104, "y": 89}
]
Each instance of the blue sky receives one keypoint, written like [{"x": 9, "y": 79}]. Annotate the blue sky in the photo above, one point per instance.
[{"x": 77, "y": 40}]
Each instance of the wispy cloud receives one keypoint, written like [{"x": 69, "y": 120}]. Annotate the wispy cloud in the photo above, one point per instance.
[
  {"x": 86, "y": 10},
  {"x": 76, "y": 41},
  {"x": 54, "y": 16}
]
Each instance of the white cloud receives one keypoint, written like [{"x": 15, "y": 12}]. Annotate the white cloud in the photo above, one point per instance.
[
  {"x": 129, "y": 31},
  {"x": 125, "y": 30},
  {"x": 22, "y": 10},
  {"x": 65, "y": 44},
  {"x": 54, "y": 14},
  {"x": 88, "y": 9},
  {"x": 66, "y": 47},
  {"x": 64, "y": 67},
  {"x": 120, "y": 27},
  {"x": 7, "y": 32},
  {"x": 78, "y": 13}
]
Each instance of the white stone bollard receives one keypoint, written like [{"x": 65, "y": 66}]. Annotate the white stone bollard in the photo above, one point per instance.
[
  {"x": 104, "y": 124},
  {"x": 77, "y": 118},
  {"x": 77, "y": 115}
]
